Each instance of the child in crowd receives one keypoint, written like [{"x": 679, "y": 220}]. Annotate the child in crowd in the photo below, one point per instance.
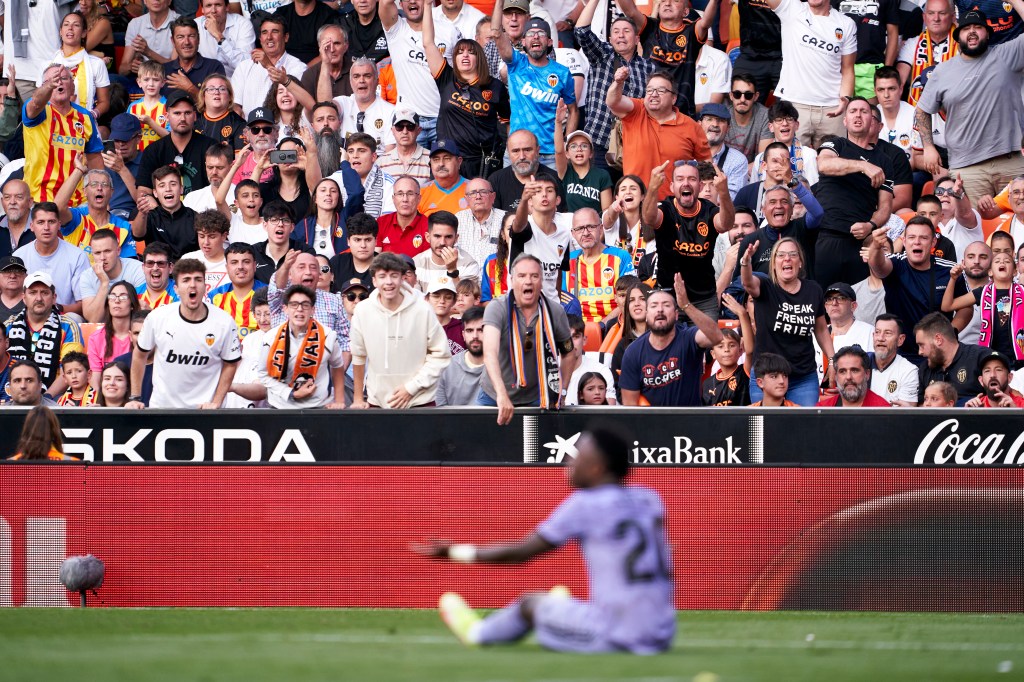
[
  {"x": 593, "y": 390},
  {"x": 354, "y": 262},
  {"x": 585, "y": 185},
  {"x": 151, "y": 110},
  {"x": 441, "y": 297},
  {"x": 730, "y": 385},
  {"x": 939, "y": 394},
  {"x": 467, "y": 295},
  {"x": 75, "y": 368},
  {"x": 1001, "y": 304},
  {"x": 212, "y": 230},
  {"x": 772, "y": 372},
  {"x": 252, "y": 344},
  {"x": 246, "y": 223}
]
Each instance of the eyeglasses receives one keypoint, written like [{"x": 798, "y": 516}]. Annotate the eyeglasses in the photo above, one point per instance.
[
  {"x": 787, "y": 255},
  {"x": 405, "y": 195},
  {"x": 686, "y": 162},
  {"x": 360, "y": 119},
  {"x": 265, "y": 130},
  {"x": 586, "y": 228},
  {"x": 280, "y": 221},
  {"x": 299, "y": 305},
  {"x": 352, "y": 296},
  {"x": 1013, "y": 192},
  {"x": 156, "y": 263},
  {"x": 216, "y": 88},
  {"x": 782, "y": 119},
  {"x": 405, "y": 125},
  {"x": 324, "y": 269},
  {"x": 658, "y": 91},
  {"x": 535, "y": 34},
  {"x": 741, "y": 94},
  {"x": 581, "y": 146},
  {"x": 835, "y": 300},
  {"x": 117, "y": 298},
  {"x": 479, "y": 193}
]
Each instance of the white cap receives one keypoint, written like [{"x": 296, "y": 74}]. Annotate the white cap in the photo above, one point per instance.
[
  {"x": 441, "y": 284},
  {"x": 39, "y": 277}
]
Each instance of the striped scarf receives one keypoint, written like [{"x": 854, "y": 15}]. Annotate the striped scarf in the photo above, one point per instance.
[
  {"x": 988, "y": 313},
  {"x": 311, "y": 353},
  {"x": 546, "y": 355},
  {"x": 373, "y": 192},
  {"x": 923, "y": 58},
  {"x": 88, "y": 399}
]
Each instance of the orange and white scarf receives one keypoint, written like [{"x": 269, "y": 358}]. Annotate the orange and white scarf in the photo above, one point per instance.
[
  {"x": 546, "y": 351},
  {"x": 311, "y": 353}
]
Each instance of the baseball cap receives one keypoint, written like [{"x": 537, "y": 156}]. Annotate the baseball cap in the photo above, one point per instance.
[
  {"x": 536, "y": 23},
  {"x": 12, "y": 263},
  {"x": 717, "y": 110},
  {"x": 124, "y": 127},
  {"x": 843, "y": 289},
  {"x": 580, "y": 133},
  {"x": 176, "y": 96},
  {"x": 405, "y": 114},
  {"x": 409, "y": 262},
  {"x": 259, "y": 114},
  {"x": 441, "y": 284},
  {"x": 446, "y": 145},
  {"x": 973, "y": 18},
  {"x": 39, "y": 278},
  {"x": 517, "y": 5},
  {"x": 994, "y": 355},
  {"x": 354, "y": 283}
]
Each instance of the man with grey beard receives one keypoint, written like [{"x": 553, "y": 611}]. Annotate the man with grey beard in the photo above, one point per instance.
[
  {"x": 853, "y": 378},
  {"x": 524, "y": 153},
  {"x": 327, "y": 124}
]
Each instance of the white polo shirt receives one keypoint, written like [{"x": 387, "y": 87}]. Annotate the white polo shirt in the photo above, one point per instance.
[{"x": 376, "y": 119}]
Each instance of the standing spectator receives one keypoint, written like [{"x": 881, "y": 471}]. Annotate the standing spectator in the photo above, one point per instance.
[
  {"x": 915, "y": 280},
  {"x": 760, "y": 46},
  {"x": 538, "y": 230},
  {"x": 448, "y": 190},
  {"x": 460, "y": 382},
  {"x": 57, "y": 130},
  {"x": 378, "y": 186},
  {"x": 480, "y": 224},
  {"x": 946, "y": 359},
  {"x": 673, "y": 41},
  {"x": 994, "y": 374},
  {"x": 405, "y": 230},
  {"x": 287, "y": 181},
  {"x": 196, "y": 347},
  {"x": 777, "y": 211},
  {"x": 78, "y": 224},
  {"x": 878, "y": 38},
  {"x": 278, "y": 224},
  {"x": 461, "y": 15},
  {"x": 983, "y": 127},
  {"x": 151, "y": 109},
  {"x": 623, "y": 220},
  {"x": 788, "y": 311},
  {"x": 12, "y": 291},
  {"x": 535, "y": 84},
  {"x": 892, "y": 376},
  {"x": 224, "y": 36},
  {"x": 853, "y": 381},
  {"x": 323, "y": 230},
  {"x": 445, "y": 257},
  {"x": 7, "y": 362},
  {"x": 585, "y": 185},
  {"x": 594, "y": 268},
  {"x": 408, "y": 157},
  {"x": 514, "y": 15},
  {"x": 959, "y": 222},
  {"x": 40, "y": 333},
  {"x": 415, "y": 85},
  {"x": 1001, "y": 304},
  {"x": 303, "y": 22},
  {"x": 184, "y": 148},
  {"x": 92, "y": 83},
  {"x": 902, "y": 177},
  {"x": 251, "y": 79},
  {"x": 365, "y": 32},
  {"x": 304, "y": 268},
  {"x": 819, "y": 50},
  {"x": 218, "y": 160},
  {"x": 666, "y": 364},
  {"x": 237, "y": 297},
  {"x": 211, "y": 229},
  {"x": 398, "y": 369},
  {"x": 844, "y": 328},
  {"x": 162, "y": 217},
  {"x": 148, "y": 37},
  {"x": 331, "y": 77},
  {"x": 714, "y": 74},
  {"x": 687, "y": 228},
  {"x": 855, "y": 189},
  {"x": 107, "y": 268},
  {"x": 301, "y": 358},
  {"x": 354, "y": 262},
  {"x": 189, "y": 69},
  {"x": 653, "y": 129},
  {"x": 527, "y": 345},
  {"x": 363, "y": 111},
  {"x": 510, "y": 181},
  {"x": 471, "y": 101},
  {"x": 16, "y": 199},
  {"x": 897, "y": 115},
  {"x": 605, "y": 58},
  {"x": 123, "y": 163},
  {"x": 158, "y": 289},
  {"x": 441, "y": 298},
  {"x": 30, "y": 38},
  {"x": 715, "y": 120},
  {"x": 920, "y": 54},
  {"x": 977, "y": 263},
  {"x": 50, "y": 254},
  {"x": 748, "y": 131},
  {"x": 1003, "y": 18}
]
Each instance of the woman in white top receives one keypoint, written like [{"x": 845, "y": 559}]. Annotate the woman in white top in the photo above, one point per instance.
[
  {"x": 287, "y": 112},
  {"x": 92, "y": 82},
  {"x": 322, "y": 230},
  {"x": 622, "y": 223}
]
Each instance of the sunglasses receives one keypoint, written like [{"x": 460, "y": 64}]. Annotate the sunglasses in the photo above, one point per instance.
[
  {"x": 528, "y": 341},
  {"x": 324, "y": 269},
  {"x": 739, "y": 94},
  {"x": 351, "y": 297},
  {"x": 404, "y": 125},
  {"x": 266, "y": 130}
]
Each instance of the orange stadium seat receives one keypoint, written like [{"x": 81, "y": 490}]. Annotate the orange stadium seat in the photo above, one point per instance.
[
  {"x": 1001, "y": 222},
  {"x": 88, "y": 329},
  {"x": 928, "y": 187},
  {"x": 593, "y": 332},
  {"x": 906, "y": 214}
]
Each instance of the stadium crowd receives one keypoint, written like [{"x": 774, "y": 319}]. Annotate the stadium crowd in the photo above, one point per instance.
[{"x": 320, "y": 204}]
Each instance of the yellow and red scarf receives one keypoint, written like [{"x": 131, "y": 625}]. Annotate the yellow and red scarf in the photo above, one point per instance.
[
  {"x": 89, "y": 398},
  {"x": 311, "y": 353},
  {"x": 924, "y": 62}
]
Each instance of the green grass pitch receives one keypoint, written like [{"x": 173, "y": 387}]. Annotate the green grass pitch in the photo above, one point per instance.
[{"x": 388, "y": 644}]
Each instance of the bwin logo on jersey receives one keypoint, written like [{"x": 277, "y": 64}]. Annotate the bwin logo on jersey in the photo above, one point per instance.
[
  {"x": 539, "y": 95},
  {"x": 195, "y": 360}
]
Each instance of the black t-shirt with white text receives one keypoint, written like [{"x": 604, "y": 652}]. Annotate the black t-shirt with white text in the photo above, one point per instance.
[
  {"x": 871, "y": 18},
  {"x": 848, "y": 199},
  {"x": 365, "y": 41},
  {"x": 785, "y": 323},
  {"x": 686, "y": 244}
]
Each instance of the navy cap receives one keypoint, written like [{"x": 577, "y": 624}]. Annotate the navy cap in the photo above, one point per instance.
[
  {"x": 535, "y": 23},
  {"x": 176, "y": 96},
  {"x": 445, "y": 145},
  {"x": 843, "y": 289},
  {"x": 259, "y": 114},
  {"x": 717, "y": 110},
  {"x": 124, "y": 127}
]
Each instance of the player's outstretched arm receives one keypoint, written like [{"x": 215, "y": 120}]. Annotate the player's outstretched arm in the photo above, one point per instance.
[{"x": 515, "y": 553}]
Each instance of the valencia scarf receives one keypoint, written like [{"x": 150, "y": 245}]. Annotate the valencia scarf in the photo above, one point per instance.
[
  {"x": 988, "y": 312},
  {"x": 923, "y": 62},
  {"x": 90, "y": 398},
  {"x": 542, "y": 334},
  {"x": 42, "y": 347},
  {"x": 311, "y": 353}
]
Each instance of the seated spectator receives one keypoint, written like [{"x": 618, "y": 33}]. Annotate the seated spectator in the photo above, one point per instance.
[
  {"x": 107, "y": 268},
  {"x": 98, "y": 32},
  {"x": 246, "y": 391},
  {"x": 16, "y": 199},
  {"x": 218, "y": 119},
  {"x": 163, "y": 217},
  {"x": 363, "y": 111},
  {"x": 404, "y": 231},
  {"x": 460, "y": 381},
  {"x": 41, "y": 437},
  {"x": 494, "y": 279},
  {"x": 715, "y": 120},
  {"x": 224, "y": 36},
  {"x": 593, "y": 389},
  {"x": 749, "y": 131},
  {"x": 289, "y": 182},
  {"x": 217, "y": 163},
  {"x": 289, "y": 105},
  {"x": 994, "y": 374},
  {"x": 151, "y": 110},
  {"x": 148, "y": 37},
  {"x": 304, "y": 269},
  {"x": 930, "y": 207},
  {"x": 902, "y": 177},
  {"x": 12, "y": 289},
  {"x": 261, "y": 134},
  {"x": 467, "y": 295},
  {"x": 623, "y": 222},
  {"x": 330, "y": 75},
  {"x": 41, "y": 334},
  {"x": 236, "y": 297},
  {"x": 158, "y": 290},
  {"x": 843, "y": 326},
  {"x": 939, "y": 394},
  {"x": 113, "y": 339},
  {"x": 189, "y": 68},
  {"x": 580, "y": 364},
  {"x": 480, "y": 224},
  {"x": 960, "y": 223},
  {"x": 114, "y": 382},
  {"x": 397, "y": 371},
  {"x": 251, "y": 78},
  {"x": 776, "y": 210},
  {"x": 62, "y": 263},
  {"x": 25, "y": 386},
  {"x": 212, "y": 234},
  {"x": 892, "y": 376},
  {"x": 447, "y": 192},
  {"x": 138, "y": 319},
  {"x": 183, "y": 148},
  {"x": 441, "y": 297},
  {"x": 78, "y": 224},
  {"x": 897, "y": 115},
  {"x": 729, "y": 386},
  {"x": 354, "y": 262},
  {"x": 123, "y": 163},
  {"x": 246, "y": 224},
  {"x": 585, "y": 185},
  {"x": 632, "y": 322},
  {"x": 302, "y": 377},
  {"x": 92, "y": 80},
  {"x": 75, "y": 370},
  {"x": 444, "y": 257},
  {"x": 772, "y": 376},
  {"x": 852, "y": 368},
  {"x": 594, "y": 268},
  {"x": 408, "y": 157},
  {"x": 1001, "y": 303},
  {"x": 378, "y": 186},
  {"x": 946, "y": 359},
  {"x": 783, "y": 122}
]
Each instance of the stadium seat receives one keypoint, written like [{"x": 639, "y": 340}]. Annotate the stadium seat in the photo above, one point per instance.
[
  {"x": 593, "y": 332},
  {"x": 906, "y": 214},
  {"x": 88, "y": 329},
  {"x": 928, "y": 187},
  {"x": 1002, "y": 222},
  {"x": 612, "y": 340}
]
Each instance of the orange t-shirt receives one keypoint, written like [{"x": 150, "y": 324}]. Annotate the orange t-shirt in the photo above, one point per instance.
[{"x": 647, "y": 143}]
